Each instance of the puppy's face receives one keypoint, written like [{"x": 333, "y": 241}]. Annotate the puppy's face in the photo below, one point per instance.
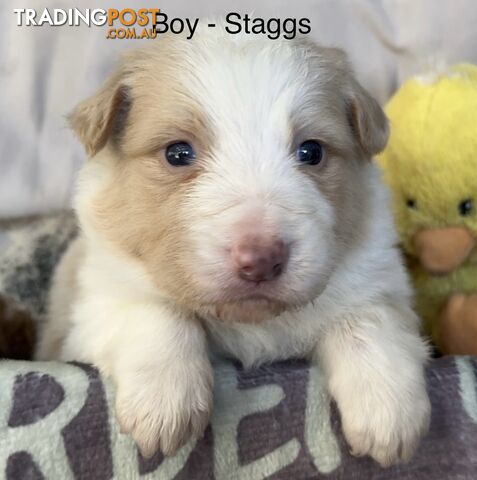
[{"x": 235, "y": 168}]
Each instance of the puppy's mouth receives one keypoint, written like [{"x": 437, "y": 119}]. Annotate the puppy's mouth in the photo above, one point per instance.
[
  {"x": 247, "y": 305},
  {"x": 246, "y": 293},
  {"x": 253, "y": 309},
  {"x": 257, "y": 297}
]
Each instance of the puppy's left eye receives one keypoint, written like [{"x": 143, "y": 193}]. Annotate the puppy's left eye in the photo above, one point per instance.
[
  {"x": 180, "y": 154},
  {"x": 310, "y": 152}
]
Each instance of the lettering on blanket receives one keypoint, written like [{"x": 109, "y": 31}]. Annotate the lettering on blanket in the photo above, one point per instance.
[{"x": 57, "y": 421}]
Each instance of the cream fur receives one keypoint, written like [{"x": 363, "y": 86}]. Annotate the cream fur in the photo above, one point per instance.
[{"x": 148, "y": 285}]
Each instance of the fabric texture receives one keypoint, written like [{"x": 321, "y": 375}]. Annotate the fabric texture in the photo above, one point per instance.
[
  {"x": 57, "y": 422},
  {"x": 277, "y": 422},
  {"x": 45, "y": 71}
]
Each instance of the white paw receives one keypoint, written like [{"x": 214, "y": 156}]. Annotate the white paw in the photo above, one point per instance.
[
  {"x": 386, "y": 425},
  {"x": 163, "y": 411}
]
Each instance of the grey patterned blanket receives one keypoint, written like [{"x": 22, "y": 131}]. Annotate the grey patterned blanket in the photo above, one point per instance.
[{"x": 277, "y": 422}]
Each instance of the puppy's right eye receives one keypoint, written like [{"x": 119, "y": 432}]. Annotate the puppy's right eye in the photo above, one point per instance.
[
  {"x": 180, "y": 154},
  {"x": 310, "y": 152}
]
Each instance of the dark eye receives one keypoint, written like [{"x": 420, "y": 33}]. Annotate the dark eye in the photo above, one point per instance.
[
  {"x": 180, "y": 154},
  {"x": 466, "y": 207},
  {"x": 310, "y": 152},
  {"x": 411, "y": 203}
]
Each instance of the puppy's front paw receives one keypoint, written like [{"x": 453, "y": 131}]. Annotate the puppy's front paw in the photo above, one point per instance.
[
  {"x": 386, "y": 424},
  {"x": 164, "y": 411}
]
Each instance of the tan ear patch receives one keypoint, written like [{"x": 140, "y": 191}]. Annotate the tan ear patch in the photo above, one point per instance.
[
  {"x": 367, "y": 120},
  {"x": 95, "y": 119}
]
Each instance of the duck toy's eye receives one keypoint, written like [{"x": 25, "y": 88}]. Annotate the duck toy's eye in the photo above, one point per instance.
[{"x": 466, "y": 207}]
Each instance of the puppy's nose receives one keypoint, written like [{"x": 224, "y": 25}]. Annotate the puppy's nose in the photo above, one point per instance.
[{"x": 259, "y": 260}]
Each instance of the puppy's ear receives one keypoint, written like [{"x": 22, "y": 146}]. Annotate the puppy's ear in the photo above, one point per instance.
[
  {"x": 104, "y": 114},
  {"x": 367, "y": 120}
]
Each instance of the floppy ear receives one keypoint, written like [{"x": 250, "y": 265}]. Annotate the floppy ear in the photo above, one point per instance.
[
  {"x": 104, "y": 114},
  {"x": 367, "y": 120}
]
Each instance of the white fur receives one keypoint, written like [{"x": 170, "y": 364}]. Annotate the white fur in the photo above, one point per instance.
[{"x": 359, "y": 325}]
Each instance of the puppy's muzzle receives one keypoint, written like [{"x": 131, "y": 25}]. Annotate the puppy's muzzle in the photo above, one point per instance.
[{"x": 260, "y": 259}]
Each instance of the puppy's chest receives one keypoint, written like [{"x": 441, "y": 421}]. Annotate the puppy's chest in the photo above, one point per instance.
[{"x": 257, "y": 343}]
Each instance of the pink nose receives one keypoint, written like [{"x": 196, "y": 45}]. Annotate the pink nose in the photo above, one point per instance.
[{"x": 259, "y": 260}]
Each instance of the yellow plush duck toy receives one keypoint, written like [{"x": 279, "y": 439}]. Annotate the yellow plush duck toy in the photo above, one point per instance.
[{"x": 430, "y": 164}]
